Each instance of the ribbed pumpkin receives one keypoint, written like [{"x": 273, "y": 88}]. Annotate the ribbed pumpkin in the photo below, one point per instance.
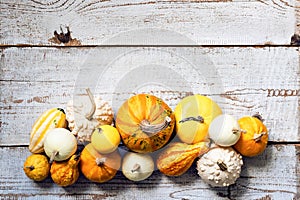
[
  {"x": 254, "y": 137},
  {"x": 145, "y": 123},
  {"x": 98, "y": 167},
  {"x": 50, "y": 119}
]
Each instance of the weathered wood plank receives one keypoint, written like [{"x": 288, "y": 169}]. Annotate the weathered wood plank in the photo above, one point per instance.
[
  {"x": 275, "y": 159},
  {"x": 297, "y": 12},
  {"x": 272, "y": 173},
  {"x": 95, "y": 22},
  {"x": 241, "y": 80}
]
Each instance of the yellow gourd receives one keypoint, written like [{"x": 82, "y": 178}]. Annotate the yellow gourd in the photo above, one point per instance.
[
  {"x": 36, "y": 167},
  {"x": 50, "y": 119},
  {"x": 105, "y": 139},
  {"x": 193, "y": 116},
  {"x": 65, "y": 173}
]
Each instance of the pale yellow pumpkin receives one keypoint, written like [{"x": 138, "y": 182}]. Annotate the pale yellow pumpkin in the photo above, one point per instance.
[
  {"x": 105, "y": 139},
  {"x": 193, "y": 116}
]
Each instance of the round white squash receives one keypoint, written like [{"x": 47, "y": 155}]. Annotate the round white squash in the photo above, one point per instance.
[
  {"x": 137, "y": 166},
  {"x": 224, "y": 130},
  {"x": 60, "y": 144}
]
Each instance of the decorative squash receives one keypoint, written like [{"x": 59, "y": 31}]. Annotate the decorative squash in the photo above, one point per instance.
[
  {"x": 137, "y": 166},
  {"x": 65, "y": 173},
  {"x": 193, "y": 115},
  {"x": 178, "y": 157},
  {"x": 145, "y": 123},
  {"x": 220, "y": 167},
  {"x": 36, "y": 167},
  {"x": 84, "y": 114},
  {"x": 98, "y": 167},
  {"x": 254, "y": 138},
  {"x": 105, "y": 139},
  {"x": 60, "y": 144},
  {"x": 224, "y": 130},
  {"x": 52, "y": 118}
]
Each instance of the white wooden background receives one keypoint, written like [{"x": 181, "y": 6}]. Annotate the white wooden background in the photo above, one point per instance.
[{"x": 237, "y": 52}]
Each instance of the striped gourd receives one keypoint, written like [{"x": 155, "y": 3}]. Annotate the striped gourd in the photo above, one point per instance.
[
  {"x": 52, "y": 118},
  {"x": 145, "y": 123}
]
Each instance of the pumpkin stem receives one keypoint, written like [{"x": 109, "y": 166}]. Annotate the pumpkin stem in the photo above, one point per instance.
[
  {"x": 135, "y": 168},
  {"x": 100, "y": 161},
  {"x": 257, "y": 137},
  {"x": 236, "y": 131},
  {"x": 54, "y": 153},
  {"x": 199, "y": 119},
  {"x": 222, "y": 165},
  {"x": 146, "y": 127},
  {"x": 30, "y": 167},
  {"x": 99, "y": 130},
  {"x": 258, "y": 116},
  {"x": 92, "y": 111}
]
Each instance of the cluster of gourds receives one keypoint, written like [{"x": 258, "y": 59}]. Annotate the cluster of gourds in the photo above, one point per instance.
[{"x": 144, "y": 124}]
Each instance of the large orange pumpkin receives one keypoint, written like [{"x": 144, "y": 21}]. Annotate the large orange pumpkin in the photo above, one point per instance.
[
  {"x": 254, "y": 137},
  {"x": 98, "y": 167},
  {"x": 145, "y": 123}
]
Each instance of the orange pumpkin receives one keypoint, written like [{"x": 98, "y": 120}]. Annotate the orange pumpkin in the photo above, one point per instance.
[
  {"x": 98, "y": 167},
  {"x": 254, "y": 137},
  {"x": 145, "y": 123}
]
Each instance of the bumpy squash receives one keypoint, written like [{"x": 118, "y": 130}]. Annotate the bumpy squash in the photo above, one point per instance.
[
  {"x": 65, "y": 173},
  {"x": 36, "y": 167},
  {"x": 145, "y": 123},
  {"x": 98, "y": 167},
  {"x": 220, "y": 167},
  {"x": 85, "y": 114},
  {"x": 50, "y": 119}
]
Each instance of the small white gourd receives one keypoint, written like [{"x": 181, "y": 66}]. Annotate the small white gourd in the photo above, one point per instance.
[
  {"x": 60, "y": 144},
  {"x": 137, "y": 166},
  {"x": 85, "y": 114},
  {"x": 224, "y": 130},
  {"x": 220, "y": 167}
]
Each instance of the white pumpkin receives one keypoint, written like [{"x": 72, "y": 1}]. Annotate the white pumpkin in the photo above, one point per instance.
[
  {"x": 224, "y": 130},
  {"x": 85, "y": 113},
  {"x": 60, "y": 144},
  {"x": 220, "y": 167},
  {"x": 137, "y": 166}
]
